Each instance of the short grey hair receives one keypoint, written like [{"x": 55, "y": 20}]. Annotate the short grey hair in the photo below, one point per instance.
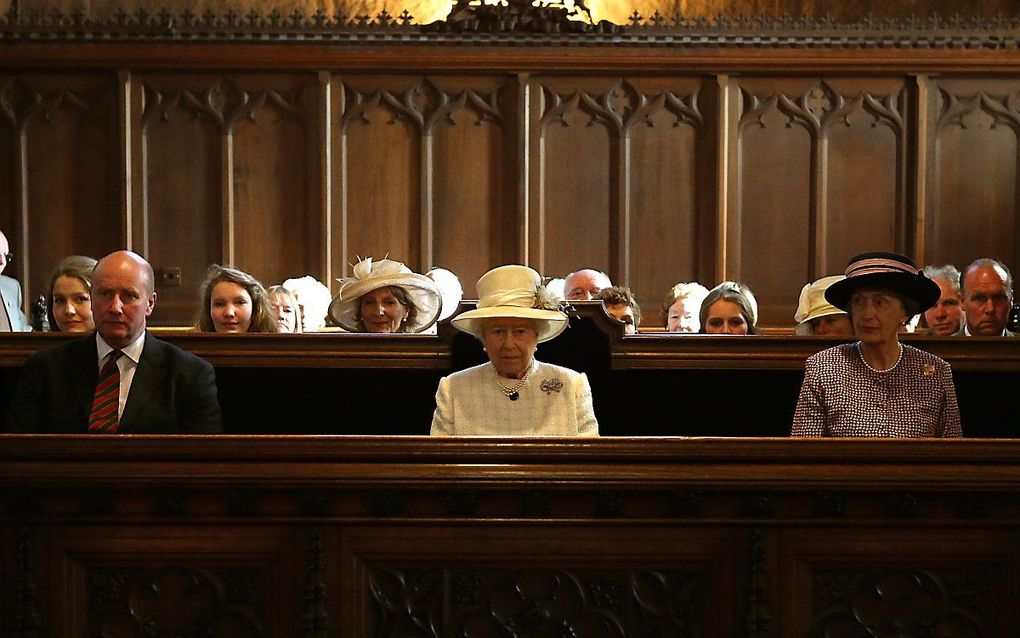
[
  {"x": 947, "y": 272},
  {"x": 999, "y": 267}
]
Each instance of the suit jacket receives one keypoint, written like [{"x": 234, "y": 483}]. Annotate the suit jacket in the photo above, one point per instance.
[
  {"x": 961, "y": 333},
  {"x": 173, "y": 391},
  {"x": 554, "y": 401},
  {"x": 10, "y": 289}
]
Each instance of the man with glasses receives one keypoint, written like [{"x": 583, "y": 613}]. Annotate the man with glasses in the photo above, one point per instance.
[{"x": 12, "y": 319}]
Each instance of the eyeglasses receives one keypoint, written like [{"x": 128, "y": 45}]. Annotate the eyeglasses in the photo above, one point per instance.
[{"x": 8, "y": 256}]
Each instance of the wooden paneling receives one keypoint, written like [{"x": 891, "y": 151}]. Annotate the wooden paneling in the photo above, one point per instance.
[
  {"x": 643, "y": 168},
  {"x": 972, "y": 198},
  {"x": 473, "y": 159},
  {"x": 821, "y": 172},
  {"x": 276, "y": 189},
  {"x": 179, "y": 157},
  {"x": 380, "y": 168},
  {"x": 375, "y": 536},
  {"x": 63, "y": 147}
]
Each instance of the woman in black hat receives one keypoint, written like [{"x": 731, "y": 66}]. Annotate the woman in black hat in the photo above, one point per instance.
[{"x": 878, "y": 386}]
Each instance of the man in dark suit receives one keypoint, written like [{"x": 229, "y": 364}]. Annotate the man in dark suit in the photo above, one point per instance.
[{"x": 120, "y": 379}]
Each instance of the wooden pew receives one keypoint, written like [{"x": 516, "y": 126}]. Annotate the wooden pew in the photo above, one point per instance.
[
  {"x": 643, "y": 385},
  {"x": 374, "y": 536}
]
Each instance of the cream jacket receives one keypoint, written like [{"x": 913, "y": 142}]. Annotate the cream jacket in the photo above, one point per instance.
[{"x": 554, "y": 401}]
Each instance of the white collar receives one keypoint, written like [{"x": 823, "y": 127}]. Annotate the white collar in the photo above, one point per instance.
[{"x": 132, "y": 351}]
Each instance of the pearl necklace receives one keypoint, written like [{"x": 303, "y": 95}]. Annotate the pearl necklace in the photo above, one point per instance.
[
  {"x": 513, "y": 392},
  {"x": 868, "y": 366}
]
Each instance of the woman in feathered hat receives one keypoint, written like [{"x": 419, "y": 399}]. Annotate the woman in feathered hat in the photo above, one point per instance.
[
  {"x": 385, "y": 296},
  {"x": 514, "y": 394},
  {"x": 878, "y": 386}
]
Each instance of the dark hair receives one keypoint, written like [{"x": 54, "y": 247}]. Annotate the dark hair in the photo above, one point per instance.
[
  {"x": 262, "y": 317},
  {"x": 77, "y": 266},
  {"x": 280, "y": 290},
  {"x": 616, "y": 295},
  {"x": 402, "y": 297},
  {"x": 736, "y": 293}
]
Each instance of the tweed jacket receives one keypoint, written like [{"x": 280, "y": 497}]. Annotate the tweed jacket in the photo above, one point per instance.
[
  {"x": 842, "y": 396},
  {"x": 554, "y": 401},
  {"x": 10, "y": 289}
]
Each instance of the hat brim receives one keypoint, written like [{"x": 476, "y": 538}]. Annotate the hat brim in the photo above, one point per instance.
[
  {"x": 550, "y": 322},
  {"x": 918, "y": 288},
  {"x": 804, "y": 327},
  {"x": 421, "y": 290}
]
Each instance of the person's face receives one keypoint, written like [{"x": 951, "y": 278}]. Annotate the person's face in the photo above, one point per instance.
[
  {"x": 683, "y": 316},
  {"x": 4, "y": 249},
  {"x": 986, "y": 304},
  {"x": 510, "y": 344},
  {"x": 381, "y": 311},
  {"x": 284, "y": 312},
  {"x": 837, "y": 325},
  {"x": 725, "y": 318},
  {"x": 623, "y": 313},
  {"x": 72, "y": 307},
  {"x": 583, "y": 285},
  {"x": 944, "y": 318},
  {"x": 877, "y": 315},
  {"x": 230, "y": 307},
  {"x": 121, "y": 299}
]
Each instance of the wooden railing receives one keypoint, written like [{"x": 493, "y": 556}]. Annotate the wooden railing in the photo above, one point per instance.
[{"x": 358, "y": 536}]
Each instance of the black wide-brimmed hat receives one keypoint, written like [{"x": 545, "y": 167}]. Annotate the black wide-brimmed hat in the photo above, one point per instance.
[{"x": 884, "y": 270}]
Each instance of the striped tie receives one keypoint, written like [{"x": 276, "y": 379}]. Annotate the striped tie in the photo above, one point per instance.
[{"x": 104, "y": 407}]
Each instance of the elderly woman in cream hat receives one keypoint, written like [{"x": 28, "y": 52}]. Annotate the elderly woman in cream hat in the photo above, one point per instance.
[
  {"x": 816, "y": 316},
  {"x": 514, "y": 394},
  {"x": 385, "y": 296}
]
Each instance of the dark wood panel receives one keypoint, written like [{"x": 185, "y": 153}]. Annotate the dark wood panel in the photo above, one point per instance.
[
  {"x": 180, "y": 159},
  {"x": 672, "y": 187},
  {"x": 973, "y": 203},
  {"x": 372, "y": 535},
  {"x": 380, "y": 142},
  {"x": 275, "y": 183},
  {"x": 224, "y": 580},
  {"x": 68, "y": 125},
  {"x": 935, "y": 580},
  {"x": 865, "y": 128},
  {"x": 473, "y": 172},
  {"x": 575, "y": 167},
  {"x": 772, "y": 222}
]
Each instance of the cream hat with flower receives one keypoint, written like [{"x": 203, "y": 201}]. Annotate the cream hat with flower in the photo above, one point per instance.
[
  {"x": 812, "y": 304},
  {"x": 515, "y": 292},
  {"x": 370, "y": 275}
]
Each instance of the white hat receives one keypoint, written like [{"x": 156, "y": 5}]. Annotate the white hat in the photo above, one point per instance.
[
  {"x": 812, "y": 304},
  {"x": 369, "y": 276},
  {"x": 451, "y": 289},
  {"x": 516, "y": 292}
]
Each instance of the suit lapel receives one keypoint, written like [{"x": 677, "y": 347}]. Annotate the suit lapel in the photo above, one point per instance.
[
  {"x": 85, "y": 373},
  {"x": 148, "y": 376}
]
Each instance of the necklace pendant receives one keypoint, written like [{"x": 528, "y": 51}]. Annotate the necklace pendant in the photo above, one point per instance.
[{"x": 513, "y": 396}]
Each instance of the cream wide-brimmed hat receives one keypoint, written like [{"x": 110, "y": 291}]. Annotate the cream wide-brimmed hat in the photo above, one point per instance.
[
  {"x": 370, "y": 275},
  {"x": 812, "y": 304},
  {"x": 515, "y": 292}
]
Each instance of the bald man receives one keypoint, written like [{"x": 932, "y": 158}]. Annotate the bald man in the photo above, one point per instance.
[
  {"x": 120, "y": 379},
  {"x": 584, "y": 284}
]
